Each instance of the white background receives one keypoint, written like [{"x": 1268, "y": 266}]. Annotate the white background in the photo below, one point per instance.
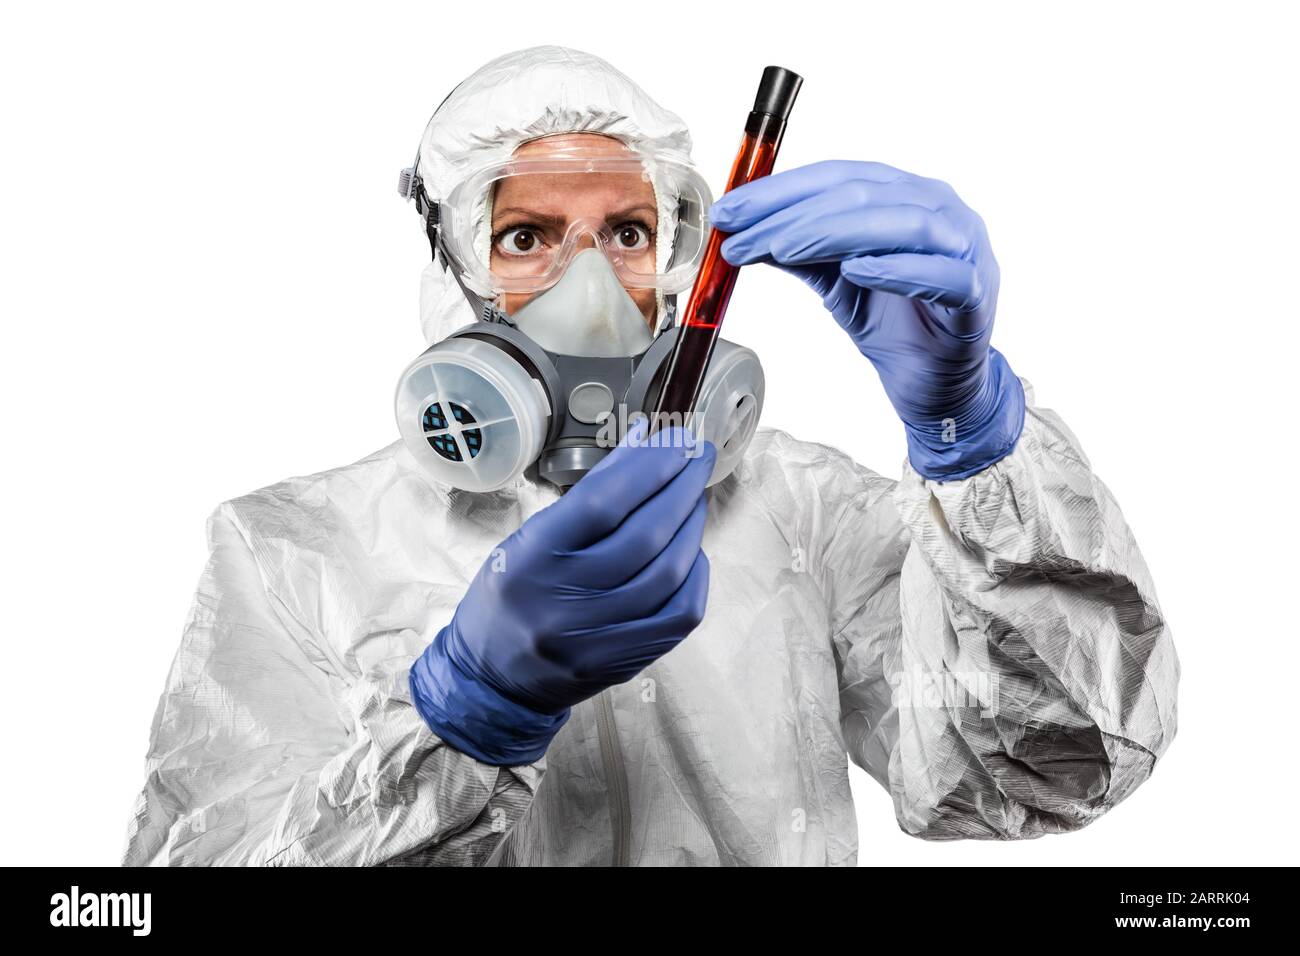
[{"x": 210, "y": 284}]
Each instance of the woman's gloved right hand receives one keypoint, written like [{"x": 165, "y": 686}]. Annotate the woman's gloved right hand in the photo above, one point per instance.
[{"x": 586, "y": 594}]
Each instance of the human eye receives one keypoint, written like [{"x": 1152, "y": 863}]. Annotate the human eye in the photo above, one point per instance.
[
  {"x": 518, "y": 241},
  {"x": 632, "y": 236}
]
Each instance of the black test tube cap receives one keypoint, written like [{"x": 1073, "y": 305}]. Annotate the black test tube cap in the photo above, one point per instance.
[{"x": 777, "y": 91}]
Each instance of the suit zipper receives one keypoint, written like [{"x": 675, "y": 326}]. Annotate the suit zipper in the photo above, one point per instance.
[{"x": 620, "y": 810}]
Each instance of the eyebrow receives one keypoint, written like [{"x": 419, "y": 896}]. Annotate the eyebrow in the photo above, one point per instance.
[
  {"x": 555, "y": 220},
  {"x": 619, "y": 214},
  {"x": 532, "y": 214}
]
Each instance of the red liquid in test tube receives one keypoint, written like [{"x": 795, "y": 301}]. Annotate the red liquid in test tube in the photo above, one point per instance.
[{"x": 716, "y": 279}]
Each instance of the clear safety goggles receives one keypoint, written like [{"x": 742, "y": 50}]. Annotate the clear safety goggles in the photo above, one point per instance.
[{"x": 514, "y": 226}]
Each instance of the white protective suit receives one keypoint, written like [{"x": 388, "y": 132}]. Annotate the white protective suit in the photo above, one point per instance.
[{"x": 840, "y": 601}]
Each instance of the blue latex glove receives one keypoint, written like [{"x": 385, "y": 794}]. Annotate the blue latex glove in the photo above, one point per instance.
[
  {"x": 586, "y": 594},
  {"x": 906, "y": 269}
]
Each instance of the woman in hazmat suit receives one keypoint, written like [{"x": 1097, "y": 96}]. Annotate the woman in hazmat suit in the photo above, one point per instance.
[{"x": 673, "y": 662}]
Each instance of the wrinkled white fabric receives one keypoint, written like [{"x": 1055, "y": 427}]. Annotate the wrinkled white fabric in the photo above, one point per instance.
[
  {"x": 991, "y": 650},
  {"x": 286, "y": 733}
]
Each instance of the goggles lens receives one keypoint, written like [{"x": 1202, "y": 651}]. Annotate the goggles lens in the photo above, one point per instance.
[{"x": 516, "y": 226}]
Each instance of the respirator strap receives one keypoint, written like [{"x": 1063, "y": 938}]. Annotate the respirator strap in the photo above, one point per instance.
[{"x": 483, "y": 309}]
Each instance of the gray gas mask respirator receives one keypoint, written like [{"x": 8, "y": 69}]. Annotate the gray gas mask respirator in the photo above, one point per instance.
[{"x": 556, "y": 385}]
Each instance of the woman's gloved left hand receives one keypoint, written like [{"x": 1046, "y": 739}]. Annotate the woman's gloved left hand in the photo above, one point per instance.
[{"x": 906, "y": 269}]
